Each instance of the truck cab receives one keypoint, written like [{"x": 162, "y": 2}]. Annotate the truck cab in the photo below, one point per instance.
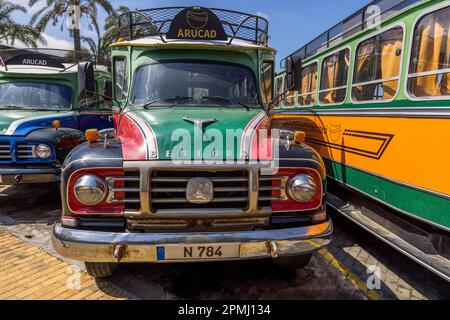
[
  {"x": 44, "y": 110},
  {"x": 194, "y": 171}
]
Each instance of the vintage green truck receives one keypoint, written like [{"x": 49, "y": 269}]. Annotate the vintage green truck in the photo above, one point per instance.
[{"x": 192, "y": 171}]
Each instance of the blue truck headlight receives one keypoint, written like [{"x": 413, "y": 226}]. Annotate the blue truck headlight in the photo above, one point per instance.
[
  {"x": 90, "y": 189},
  {"x": 43, "y": 151}
]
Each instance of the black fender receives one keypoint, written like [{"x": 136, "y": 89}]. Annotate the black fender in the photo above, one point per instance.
[
  {"x": 93, "y": 155},
  {"x": 62, "y": 139},
  {"x": 300, "y": 155},
  {"x": 89, "y": 155}
]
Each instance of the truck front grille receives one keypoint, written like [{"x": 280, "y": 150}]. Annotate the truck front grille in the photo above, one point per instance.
[
  {"x": 168, "y": 189},
  {"x": 5, "y": 151},
  {"x": 163, "y": 191},
  {"x": 25, "y": 151}
]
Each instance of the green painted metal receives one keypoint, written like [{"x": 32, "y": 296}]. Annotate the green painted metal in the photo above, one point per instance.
[
  {"x": 165, "y": 121},
  {"x": 139, "y": 55},
  {"x": 170, "y": 129},
  {"x": 425, "y": 205}
]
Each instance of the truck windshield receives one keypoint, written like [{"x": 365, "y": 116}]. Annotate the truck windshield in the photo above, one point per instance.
[
  {"x": 194, "y": 83},
  {"x": 35, "y": 96}
]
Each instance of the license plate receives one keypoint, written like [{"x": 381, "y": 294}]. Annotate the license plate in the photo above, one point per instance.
[{"x": 197, "y": 252}]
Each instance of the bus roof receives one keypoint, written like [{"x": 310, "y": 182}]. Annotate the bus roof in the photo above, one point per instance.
[
  {"x": 358, "y": 21},
  {"x": 42, "y": 61},
  {"x": 194, "y": 24}
]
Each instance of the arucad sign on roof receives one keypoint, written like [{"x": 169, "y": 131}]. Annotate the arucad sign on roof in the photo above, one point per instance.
[
  {"x": 34, "y": 59},
  {"x": 196, "y": 23}
]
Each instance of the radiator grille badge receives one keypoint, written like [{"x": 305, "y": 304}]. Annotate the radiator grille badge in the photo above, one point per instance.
[{"x": 199, "y": 190}]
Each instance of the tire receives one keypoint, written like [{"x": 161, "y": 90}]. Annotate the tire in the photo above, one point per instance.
[
  {"x": 294, "y": 262},
  {"x": 100, "y": 270}
]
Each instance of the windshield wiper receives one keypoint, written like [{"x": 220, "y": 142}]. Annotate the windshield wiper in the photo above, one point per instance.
[
  {"x": 220, "y": 98},
  {"x": 171, "y": 99}
]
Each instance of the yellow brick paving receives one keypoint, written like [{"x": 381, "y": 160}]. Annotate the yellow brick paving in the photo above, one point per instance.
[{"x": 27, "y": 273}]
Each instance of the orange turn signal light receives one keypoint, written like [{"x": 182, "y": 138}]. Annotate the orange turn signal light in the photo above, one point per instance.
[
  {"x": 56, "y": 124},
  {"x": 299, "y": 137},
  {"x": 92, "y": 135}
]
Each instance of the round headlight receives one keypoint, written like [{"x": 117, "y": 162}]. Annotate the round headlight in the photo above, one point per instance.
[
  {"x": 302, "y": 188},
  {"x": 90, "y": 189},
  {"x": 42, "y": 151}
]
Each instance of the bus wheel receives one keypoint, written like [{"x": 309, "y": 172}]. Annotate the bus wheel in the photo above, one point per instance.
[
  {"x": 100, "y": 270},
  {"x": 294, "y": 262}
]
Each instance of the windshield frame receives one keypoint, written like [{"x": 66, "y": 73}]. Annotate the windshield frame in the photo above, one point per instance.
[
  {"x": 31, "y": 81},
  {"x": 202, "y": 61}
]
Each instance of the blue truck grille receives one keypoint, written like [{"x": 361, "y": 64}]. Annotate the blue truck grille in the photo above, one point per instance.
[
  {"x": 22, "y": 151},
  {"x": 25, "y": 151},
  {"x": 5, "y": 151}
]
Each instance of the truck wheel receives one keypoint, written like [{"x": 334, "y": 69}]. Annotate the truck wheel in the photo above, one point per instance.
[
  {"x": 100, "y": 270},
  {"x": 294, "y": 262}
]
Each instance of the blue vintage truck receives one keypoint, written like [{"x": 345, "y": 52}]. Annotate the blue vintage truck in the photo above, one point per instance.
[{"x": 46, "y": 104}]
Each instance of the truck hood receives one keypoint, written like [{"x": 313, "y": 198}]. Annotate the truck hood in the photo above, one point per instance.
[
  {"x": 22, "y": 122},
  {"x": 169, "y": 133}
]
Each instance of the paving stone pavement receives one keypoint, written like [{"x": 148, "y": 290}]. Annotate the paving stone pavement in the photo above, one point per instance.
[
  {"x": 342, "y": 271},
  {"x": 27, "y": 273}
]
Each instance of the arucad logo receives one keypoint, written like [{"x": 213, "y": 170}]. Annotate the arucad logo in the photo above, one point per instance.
[
  {"x": 197, "y": 20},
  {"x": 35, "y": 62}
]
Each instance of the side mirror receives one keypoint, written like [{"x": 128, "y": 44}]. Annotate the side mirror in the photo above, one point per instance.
[
  {"x": 293, "y": 73},
  {"x": 108, "y": 90},
  {"x": 86, "y": 79}
]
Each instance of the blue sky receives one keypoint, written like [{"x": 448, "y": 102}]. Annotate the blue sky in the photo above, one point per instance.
[{"x": 292, "y": 23}]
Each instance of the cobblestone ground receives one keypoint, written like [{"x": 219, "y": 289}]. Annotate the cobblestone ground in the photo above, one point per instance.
[{"x": 30, "y": 269}]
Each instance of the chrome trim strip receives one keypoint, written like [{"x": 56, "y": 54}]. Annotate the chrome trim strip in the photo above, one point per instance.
[
  {"x": 333, "y": 89},
  {"x": 429, "y": 73},
  {"x": 390, "y": 243},
  {"x": 215, "y": 200}
]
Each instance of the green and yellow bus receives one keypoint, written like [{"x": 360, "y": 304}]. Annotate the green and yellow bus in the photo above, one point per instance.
[{"x": 374, "y": 101}]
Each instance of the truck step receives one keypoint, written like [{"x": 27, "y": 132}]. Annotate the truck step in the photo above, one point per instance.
[{"x": 436, "y": 263}]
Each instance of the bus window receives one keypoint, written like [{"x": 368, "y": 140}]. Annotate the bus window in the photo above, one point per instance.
[
  {"x": 120, "y": 69},
  {"x": 307, "y": 95},
  {"x": 430, "y": 57},
  {"x": 377, "y": 66},
  {"x": 267, "y": 81},
  {"x": 334, "y": 75}
]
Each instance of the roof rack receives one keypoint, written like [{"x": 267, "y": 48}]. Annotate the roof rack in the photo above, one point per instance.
[
  {"x": 359, "y": 21},
  {"x": 156, "y": 22},
  {"x": 42, "y": 57}
]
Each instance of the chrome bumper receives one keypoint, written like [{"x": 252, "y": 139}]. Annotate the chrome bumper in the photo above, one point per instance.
[
  {"x": 92, "y": 246},
  {"x": 12, "y": 176}
]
